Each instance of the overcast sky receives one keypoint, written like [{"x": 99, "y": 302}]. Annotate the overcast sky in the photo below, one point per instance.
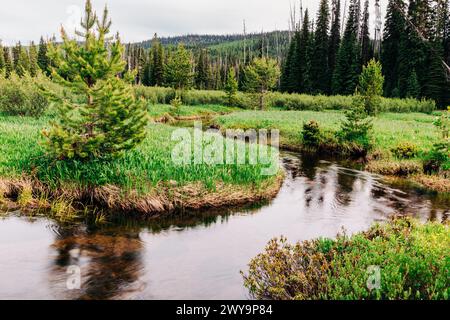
[{"x": 137, "y": 20}]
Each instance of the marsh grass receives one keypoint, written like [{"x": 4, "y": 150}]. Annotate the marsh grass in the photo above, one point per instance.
[
  {"x": 389, "y": 129},
  {"x": 141, "y": 170}
]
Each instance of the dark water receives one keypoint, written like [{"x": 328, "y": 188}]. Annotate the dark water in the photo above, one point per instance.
[{"x": 196, "y": 256}]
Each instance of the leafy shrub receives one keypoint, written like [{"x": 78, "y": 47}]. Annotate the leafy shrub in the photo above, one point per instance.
[
  {"x": 22, "y": 96},
  {"x": 412, "y": 257},
  {"x": 405, "y": 150},
  {"x": 312, "y": 135}
]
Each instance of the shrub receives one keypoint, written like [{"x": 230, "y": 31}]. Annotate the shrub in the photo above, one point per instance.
[
  {"x": 412, "y": 259},
  {"x": 312, "y": 135},
  {"x": 356, "y": 127},
  {"x": 22, "y": 96},
  {"x": 405, "y": 150}
]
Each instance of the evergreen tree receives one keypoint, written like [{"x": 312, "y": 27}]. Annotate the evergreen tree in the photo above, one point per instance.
[
  {"x": 320, "y": 77},
  {"x": 109, "y": 121},
  {"x": 261, "y": 76},
  {"x": 370, "y": 86},
  {"x": 20, "y": 60},
  {"x": 366, "y": 48},
  {"x": 393, "y": 38},
  {"x": 178, "y": 70},
  {"x": 415, "y": 50},
  {"x": 157, "y": 66},
  {"x": 413, "y": 86},
  {"x": 8, "y": 63},
  {"x": 291, "y": 77},
  {"x": 348, "y": 65},
  {"x": 43, "y": 59},
  {"x": 202, "y": 72},
  {"x": 2, "y": 59},
  {"x": 34, "y": 67},
  {"x": 231, "y": 87},
  {"x": 141, "y": 65},
  {"x": 335, "y": 37}
]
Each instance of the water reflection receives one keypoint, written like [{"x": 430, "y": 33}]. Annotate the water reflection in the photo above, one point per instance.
[{"x": 197, "y": 255}]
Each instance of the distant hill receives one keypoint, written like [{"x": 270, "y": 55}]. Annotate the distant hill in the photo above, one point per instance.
[{"x": 274, "y": 43}]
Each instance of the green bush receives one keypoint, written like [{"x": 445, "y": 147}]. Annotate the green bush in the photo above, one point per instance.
[
  {"x": 412, "y": 259},
  {"x": 405, "y": 150},
  {"x": 355, "y": 131},
  {"x": 22, "y": 96},
  {"x": 312, "y": 135}
]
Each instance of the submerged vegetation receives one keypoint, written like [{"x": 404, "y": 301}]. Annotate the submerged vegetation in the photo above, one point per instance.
[{"x": 402, "y": 260}]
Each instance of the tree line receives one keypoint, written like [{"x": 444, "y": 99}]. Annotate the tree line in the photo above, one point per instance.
[{"x": 416, "y": 41}]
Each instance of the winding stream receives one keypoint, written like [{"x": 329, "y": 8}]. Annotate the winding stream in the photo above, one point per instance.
[{"x": 197, "y": 256}]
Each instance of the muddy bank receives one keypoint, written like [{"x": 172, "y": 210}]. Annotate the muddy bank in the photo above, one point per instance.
[{"x": 29, "y": 195}]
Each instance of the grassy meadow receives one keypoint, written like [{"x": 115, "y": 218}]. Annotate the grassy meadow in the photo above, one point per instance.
[
  {"x": 389, "y": 129},
  {"x": 21, "y": 152}
]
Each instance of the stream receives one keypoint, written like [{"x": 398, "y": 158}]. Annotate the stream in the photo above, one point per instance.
[{"x": 197, "y": 256}]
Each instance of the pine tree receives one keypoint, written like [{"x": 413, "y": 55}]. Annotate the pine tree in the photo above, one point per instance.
[
  {"x": 413, "y": 86},
  {"x": 348, "y": 65},
  {"x": 34, "y": 67},
  {"x": 261, "y": 76},
  {"x": 157, "y": 68},
  {"x": 393, "y": 39},
  {"x": 231, "y": 87},
  {"x": 8, "y": 63},
  {"x": 366, "y": 48},
  {"x": 335, "y": 37},
  {"x": 320, "y": 77},
  {"x": 2, "y": 60},
  {"x": 370, "y": 86},
  {"x": 20, "y": 60},
  {"x": 109, "y": 121},
  {"x": 202, "y": 71},
  {"x": 141, "y": 65},
  {"x": 43, "y": 59},
  {"x": 178, "y": 70}
]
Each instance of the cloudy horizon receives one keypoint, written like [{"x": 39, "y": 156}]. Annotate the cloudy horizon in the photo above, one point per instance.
[{"x": 138, "y": 20}]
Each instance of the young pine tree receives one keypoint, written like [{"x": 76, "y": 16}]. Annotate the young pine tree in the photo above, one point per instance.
[
  {"x": 261, "y": 76},
  {"x": 231, "y": 87},
  {"x": 108, "y": 121},
  {"x": 370, "y": 86}
]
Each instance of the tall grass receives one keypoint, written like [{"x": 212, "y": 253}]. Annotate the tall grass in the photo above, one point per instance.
[
  {"x": 141, "y": 169},
  {"x": 390, "y": 129},
  {"x": 298, "y": 102}
]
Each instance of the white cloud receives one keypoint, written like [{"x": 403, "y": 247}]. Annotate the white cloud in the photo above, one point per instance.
[{"x": 25, "y": 20}]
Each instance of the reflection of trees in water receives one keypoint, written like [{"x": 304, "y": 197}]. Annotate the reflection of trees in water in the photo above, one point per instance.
[{"x": 110, "y": 263}]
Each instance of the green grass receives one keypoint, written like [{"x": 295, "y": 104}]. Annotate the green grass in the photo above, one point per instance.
[
  {"x": 389, "y": 130},
  {"x": 160, "y": 110},
  {"x": 141, "y": 169}
]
